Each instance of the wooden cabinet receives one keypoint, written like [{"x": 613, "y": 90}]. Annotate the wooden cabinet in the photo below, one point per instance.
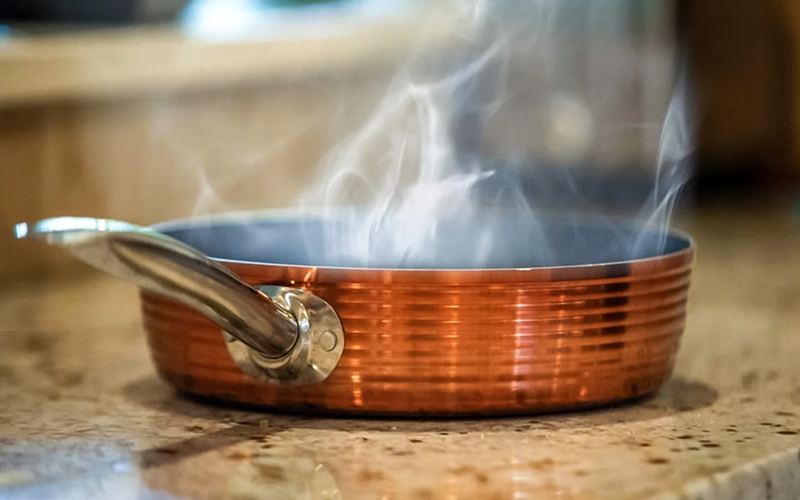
[
  {"x": 149, "y": 158},
  {"x": 746, "y": 67},
  {"x": 791, "y": 16},
  {"x": 148, "y": 124}
]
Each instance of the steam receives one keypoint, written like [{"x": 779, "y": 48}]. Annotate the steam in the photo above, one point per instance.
[
  {"x": 675, "y": 152},
  {"x": 407, "y": 190},
  {"x": 391, "y": 187},
  {"x": 400, "y": 177}
]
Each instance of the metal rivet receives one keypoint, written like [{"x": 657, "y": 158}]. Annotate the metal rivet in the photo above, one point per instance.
[{"x": 327, "y": 340}]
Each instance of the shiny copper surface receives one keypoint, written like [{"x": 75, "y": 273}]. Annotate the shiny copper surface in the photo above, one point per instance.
[{"x": 481, "y": 342}]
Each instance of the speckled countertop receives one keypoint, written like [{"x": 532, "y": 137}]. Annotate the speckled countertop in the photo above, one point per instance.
[{"x": 83, "y": 415}]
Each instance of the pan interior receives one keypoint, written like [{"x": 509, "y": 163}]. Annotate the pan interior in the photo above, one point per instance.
[{"x": 490, "y": 243}]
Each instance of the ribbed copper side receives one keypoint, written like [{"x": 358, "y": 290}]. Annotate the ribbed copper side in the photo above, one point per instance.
[{"x": 456, "y": 342}]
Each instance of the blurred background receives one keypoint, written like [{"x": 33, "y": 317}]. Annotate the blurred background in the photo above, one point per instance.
[{"x": 145, "y": 110}]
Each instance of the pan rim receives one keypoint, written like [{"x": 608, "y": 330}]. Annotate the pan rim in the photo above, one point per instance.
[{"x": 685, "y": 254}]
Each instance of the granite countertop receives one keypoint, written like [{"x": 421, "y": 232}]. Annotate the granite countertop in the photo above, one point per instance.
[{"x": 84, "y": 415}]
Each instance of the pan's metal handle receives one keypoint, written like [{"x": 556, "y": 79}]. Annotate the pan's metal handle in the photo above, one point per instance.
[{"x": 276, "y": 334}]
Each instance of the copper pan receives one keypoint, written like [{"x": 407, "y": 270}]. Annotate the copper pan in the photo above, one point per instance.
[{"x": 237, "y": 309}]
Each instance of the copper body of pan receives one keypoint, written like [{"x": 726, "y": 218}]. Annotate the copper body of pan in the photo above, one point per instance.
[{"x": 587, "y": 327}]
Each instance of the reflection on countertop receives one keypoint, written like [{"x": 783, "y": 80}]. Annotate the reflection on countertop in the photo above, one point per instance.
[{"x": 84, "y": 414}]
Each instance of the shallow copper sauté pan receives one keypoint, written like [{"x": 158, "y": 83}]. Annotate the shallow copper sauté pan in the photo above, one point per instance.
[{"x": 247, "y": 310}]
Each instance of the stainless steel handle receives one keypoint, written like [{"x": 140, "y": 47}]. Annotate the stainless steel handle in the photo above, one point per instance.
[{"x": 278, "y": 346}]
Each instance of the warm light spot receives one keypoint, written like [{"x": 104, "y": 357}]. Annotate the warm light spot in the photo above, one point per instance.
[{"x": 356, "y": 379}]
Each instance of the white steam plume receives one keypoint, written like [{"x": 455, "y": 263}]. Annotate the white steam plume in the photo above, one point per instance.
[
  {"x": 392, "y": 186},
  {"x": 405, "y": 191},
  {"x": 675, "y": 152}
]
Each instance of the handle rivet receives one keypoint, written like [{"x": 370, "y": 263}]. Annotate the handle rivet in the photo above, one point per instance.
[{"x": 327, "y": 340}]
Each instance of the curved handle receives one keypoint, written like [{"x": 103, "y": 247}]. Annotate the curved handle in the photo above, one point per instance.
[
  {"x": 166, "y": 266},
  {"x": 295, "y": 338}
]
